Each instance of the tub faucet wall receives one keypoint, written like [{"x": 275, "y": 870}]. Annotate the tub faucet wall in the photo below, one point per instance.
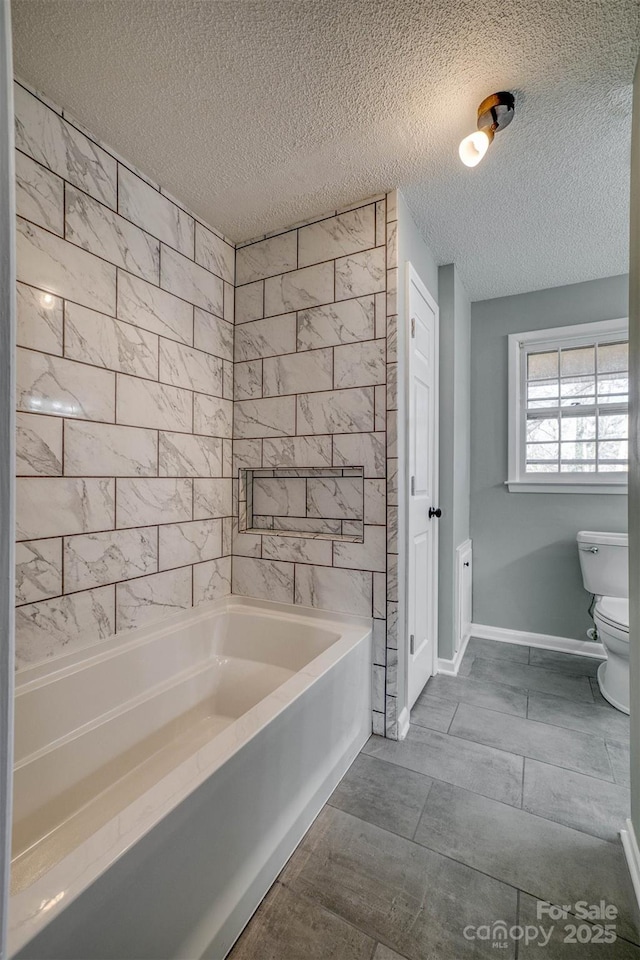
[{"x": 125, "y": 388}]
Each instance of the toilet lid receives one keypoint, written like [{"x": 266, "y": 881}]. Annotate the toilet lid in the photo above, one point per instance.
[{"x": 615, "y": 610}]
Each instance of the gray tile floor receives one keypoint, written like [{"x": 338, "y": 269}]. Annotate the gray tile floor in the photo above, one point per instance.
[{"x": 510, "y": 788}]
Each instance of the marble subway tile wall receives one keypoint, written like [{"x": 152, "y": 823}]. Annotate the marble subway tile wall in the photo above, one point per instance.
[
  {"x": 125, "y": 394},
  {"x": 393, "y": 426},
  {"x": 133, "y": 381},
  {"x": 314, "y": 352}
]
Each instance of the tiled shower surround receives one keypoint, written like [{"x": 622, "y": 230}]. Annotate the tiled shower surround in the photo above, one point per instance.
[
  {"x": 124, "y": 394},
  {"x": 315, "y": 387},
  {"x": 131, "y": 432}
]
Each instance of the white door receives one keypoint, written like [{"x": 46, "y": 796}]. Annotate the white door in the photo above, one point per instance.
[{"x": 422, "y": 561}]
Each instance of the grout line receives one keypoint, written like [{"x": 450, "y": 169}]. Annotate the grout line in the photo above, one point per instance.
[
  {"x": 512, "y": 753},
  {"x": 116, "y": 530},
  {"x": 606, "y": 747},
  {"x": 271, "y": 316},
  {"x": 114, "y": 583},
  {"x": 424, "y": 846},
  {"x": 114, "y": 315},
  {"x": 137, "y": 376},
  {"x": 453, "y": 717},
  {"x": 116, "y": 212},
  {"x": 299, "y": 353},
  {"x": 422, "y": 809},
  {"x": 63, "y": 306},
  {"x": 120, "y": 266},
  {"x": 307, "y": 899},
  {"x": 62, "y": 569},
  {"x": 124, "y": 426},
  {"x": 359, "y": 205},
  {"x": 473, "y": 793},
  {"x": 375, "y": 229},
  {"x": 547, "y": 670},
  {"x": 63, "y": 471}
]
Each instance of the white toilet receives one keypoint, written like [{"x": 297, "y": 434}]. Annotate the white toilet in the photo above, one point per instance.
[{"x": 604, "y": 559}]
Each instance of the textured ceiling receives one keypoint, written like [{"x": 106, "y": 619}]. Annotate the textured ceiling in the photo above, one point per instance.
[{"x": 260, "y": 114}]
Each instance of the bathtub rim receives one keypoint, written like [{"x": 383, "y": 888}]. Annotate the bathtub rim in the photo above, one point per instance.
[
  {"x": 35, "y": 675},
  {"x": 36, "y": 904}
]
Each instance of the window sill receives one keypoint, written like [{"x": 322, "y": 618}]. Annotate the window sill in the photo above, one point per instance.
[{"x": 551, "y": 486}]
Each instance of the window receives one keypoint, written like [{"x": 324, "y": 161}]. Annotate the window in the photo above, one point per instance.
[{"x": 568, "y": 409}]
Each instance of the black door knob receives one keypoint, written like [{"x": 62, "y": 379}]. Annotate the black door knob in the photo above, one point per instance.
[{"x": 434, "y": 512}]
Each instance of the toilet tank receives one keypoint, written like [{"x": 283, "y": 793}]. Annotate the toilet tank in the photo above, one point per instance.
[{"x": 604, "y": 560}]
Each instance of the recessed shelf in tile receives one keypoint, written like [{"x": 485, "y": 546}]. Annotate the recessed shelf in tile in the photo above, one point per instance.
[{"x": 316, "y": 502}]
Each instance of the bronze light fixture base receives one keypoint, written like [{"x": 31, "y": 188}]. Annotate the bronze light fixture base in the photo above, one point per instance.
[{"x": 496, "y": 112}]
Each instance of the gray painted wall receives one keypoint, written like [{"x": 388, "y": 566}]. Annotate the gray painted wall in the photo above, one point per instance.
[
  {"x": 526, "y": 570},
  {"x": 455, "y": 428},
  {"x": 411, "y": 249},
  {"x": 7, "y": 455}
]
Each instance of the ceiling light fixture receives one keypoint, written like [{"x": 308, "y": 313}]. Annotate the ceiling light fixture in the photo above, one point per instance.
[{"x": 495, "y": 113}]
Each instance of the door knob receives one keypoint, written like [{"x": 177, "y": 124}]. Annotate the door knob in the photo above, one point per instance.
[{"x": 434, "y": 512}]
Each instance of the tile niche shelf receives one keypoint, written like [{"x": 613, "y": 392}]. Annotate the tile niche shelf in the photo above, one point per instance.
[{"x": 324, "y": 503}]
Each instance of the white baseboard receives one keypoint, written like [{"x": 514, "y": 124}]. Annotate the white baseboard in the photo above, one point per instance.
[
  {"x": 451, "y": 667},
  {"x": 544, "y": 641},
  {"x": 632, "y": 854}
]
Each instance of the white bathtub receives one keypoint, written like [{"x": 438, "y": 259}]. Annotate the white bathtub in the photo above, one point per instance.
[{"x": 163, "y": 778}]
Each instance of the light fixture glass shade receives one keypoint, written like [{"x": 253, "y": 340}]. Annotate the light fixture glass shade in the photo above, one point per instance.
[{"x": 473, "y": 148}]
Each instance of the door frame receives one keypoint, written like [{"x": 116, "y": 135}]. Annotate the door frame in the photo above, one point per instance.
[
  {"x": 409, "y": 275},
  {"x": 631, "y": 834}
]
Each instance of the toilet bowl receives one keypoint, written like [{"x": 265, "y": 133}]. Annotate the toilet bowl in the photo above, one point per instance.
[
  {"x": 604, "y": 561},
  {"x": 611, "y": 616}
]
